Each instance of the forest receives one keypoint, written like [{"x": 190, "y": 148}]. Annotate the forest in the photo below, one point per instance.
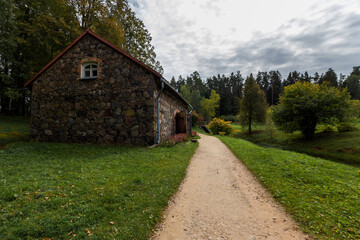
[{"x": 230, "y": 88}]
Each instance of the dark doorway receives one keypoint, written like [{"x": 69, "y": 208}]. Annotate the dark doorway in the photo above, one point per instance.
[{"x": 180, "y": 122}]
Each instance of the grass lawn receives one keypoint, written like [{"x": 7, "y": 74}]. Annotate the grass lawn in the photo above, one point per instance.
[
  {"x": 74, "y": 191},
  {"x": 337, "y": 146},
  {"x": 323, "y": 196},
  {"x": 13, "y": 129}
]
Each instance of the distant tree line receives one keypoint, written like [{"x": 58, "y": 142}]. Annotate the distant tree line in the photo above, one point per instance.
[
  {"x": 230, "y": 87},
  {"x": 33, "y": 32}
]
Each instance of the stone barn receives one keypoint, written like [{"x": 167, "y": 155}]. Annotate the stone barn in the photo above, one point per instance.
[{"x": 94, "y": 92}]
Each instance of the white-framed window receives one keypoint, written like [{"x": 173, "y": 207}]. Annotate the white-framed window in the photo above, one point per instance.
[{"x": 89, "y": 70}]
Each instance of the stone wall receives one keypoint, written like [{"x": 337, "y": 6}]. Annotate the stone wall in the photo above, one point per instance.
[
  {"x": 117, "y": 107},
  {"x": 169, "y": 107}
]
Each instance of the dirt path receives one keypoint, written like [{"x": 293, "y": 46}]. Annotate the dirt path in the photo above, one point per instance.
[{"x": 221, "y": 199}]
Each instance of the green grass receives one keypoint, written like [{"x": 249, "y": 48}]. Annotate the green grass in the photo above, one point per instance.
[
  {"x": 323, "y": 196},
  {"x": 337, "y": 146},
  {"x": 13, "y": 129},
  {"x": 63, "y": 191}
]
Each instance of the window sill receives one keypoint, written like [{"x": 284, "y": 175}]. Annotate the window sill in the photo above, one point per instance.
[{"x": 89, "y": 78}]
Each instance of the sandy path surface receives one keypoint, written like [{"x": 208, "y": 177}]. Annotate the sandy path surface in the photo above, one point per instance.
[{"x": 221, "y": 199}]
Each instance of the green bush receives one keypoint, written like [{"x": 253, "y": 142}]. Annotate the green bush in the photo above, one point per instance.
[
  {"x": 218, "y": 125},
  {"x": 345, "y": 127},
  {"x": 355, "y": 109},
  {"x": 326, "y": 128}
]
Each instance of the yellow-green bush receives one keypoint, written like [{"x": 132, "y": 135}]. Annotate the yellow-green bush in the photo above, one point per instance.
[
  {"x": 345, "y": 127},
  {"x": 218, "y": 125}
]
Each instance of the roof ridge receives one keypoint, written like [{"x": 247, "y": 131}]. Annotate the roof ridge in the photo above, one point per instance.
[{"x": 88, "y": 31}]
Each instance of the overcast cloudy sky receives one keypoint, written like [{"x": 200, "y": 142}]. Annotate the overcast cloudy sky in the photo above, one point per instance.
[{"x": 224, "y": 36}]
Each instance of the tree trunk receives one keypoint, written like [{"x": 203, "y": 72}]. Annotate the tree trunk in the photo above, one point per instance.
[
  {"x": 5, "y": 101},
  {"x": 250, "y": 119},
  {"x": 309, "y": 132}
]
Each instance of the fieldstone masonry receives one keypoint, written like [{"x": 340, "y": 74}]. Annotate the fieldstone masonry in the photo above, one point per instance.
[
  {"x": 119, "y": 107},
  {"x": 169, "y": 107}
]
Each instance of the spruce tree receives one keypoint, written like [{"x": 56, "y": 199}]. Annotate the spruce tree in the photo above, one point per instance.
[{"x": 252, "y": 105}]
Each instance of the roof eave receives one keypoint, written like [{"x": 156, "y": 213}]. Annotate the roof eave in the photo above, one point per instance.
[{"x": 88, "y": 31}]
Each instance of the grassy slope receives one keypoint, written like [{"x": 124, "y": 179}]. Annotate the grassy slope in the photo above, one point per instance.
[
  {"x": 323, "y": 196},
  {"x": 341, "y": 147},
  {"x": 74, "y": 191}
]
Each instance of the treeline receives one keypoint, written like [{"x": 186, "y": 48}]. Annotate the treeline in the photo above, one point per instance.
[
  {"x": 33, "y": 32},
  {"x": 230, "y": 87}
]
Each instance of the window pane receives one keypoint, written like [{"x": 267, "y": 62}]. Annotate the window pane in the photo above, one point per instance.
[
  {"x": 94, "y": 66},
  {"x": 94, "y": 73},
  {"x": 87, "y": 66},
  {"x": 87, "y": 73}
]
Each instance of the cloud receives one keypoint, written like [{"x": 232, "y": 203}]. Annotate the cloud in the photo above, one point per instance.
[
  {"x": 330, "y": 42},
  {"x": 326, "y": 36}
]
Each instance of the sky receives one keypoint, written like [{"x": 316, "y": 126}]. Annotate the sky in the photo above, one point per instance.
[{"x": 223, "y": 36}]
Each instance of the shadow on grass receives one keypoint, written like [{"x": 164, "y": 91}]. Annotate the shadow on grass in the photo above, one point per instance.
[{"x": 342, "y": 147}]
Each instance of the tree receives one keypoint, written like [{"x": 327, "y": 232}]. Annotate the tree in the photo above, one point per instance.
[
  {"x": 185, "y": 92},
  {"x": 273, "y": 93},
  {"x": 356, "y": 71},
  {"x": 316, "y": 77},
  {"x": 252, "y": 105},
  {"x": 330, "y": 77},
  {"x": 192, "y": 96},
  {"x": 7, "y": 58},
  {"x": 117, "y": 22},
  {"x": 209, "y": 106},
  {"x": 292, "y": 78},
  {"x": 303, "y": 105},
  {"x": 236, "y": 84},
  {"x": 230, "y": 90},
  {"x": 306, "y": 77},
  {"x": 173, "y": 83},
  {"x": 352, "y": 83},
  {"x": 180, "y": 82}
]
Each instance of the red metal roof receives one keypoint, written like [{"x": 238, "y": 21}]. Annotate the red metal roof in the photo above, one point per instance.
[{"x": 88, "y": 31}]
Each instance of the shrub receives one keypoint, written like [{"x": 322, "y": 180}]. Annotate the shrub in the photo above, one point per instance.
[
  {"x": 194, "y": 118},
  {"x": 326, "y": 128},
  {"x": 173, "y": 140},
  {"x": 218, "y": 125},
  {"x": 236, "y": 133},
  {"x": 269, "y": 124},
  {"x": 193, "y": 133},
  {"x": 345, "y": 127},
  {"x": 355, "y": 109}
]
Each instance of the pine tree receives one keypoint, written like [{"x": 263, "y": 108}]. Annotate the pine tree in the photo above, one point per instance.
[
  {"x": 356, "y": 71},
  {"x": 275, "y": 88},
  {"x": 253, "y": 104},
  {"x": 316, "y": 77},
  {"x": 352, "y": 83},
  {"x": 173, "y": 83},
  {"x": 330, "y": 77}
]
